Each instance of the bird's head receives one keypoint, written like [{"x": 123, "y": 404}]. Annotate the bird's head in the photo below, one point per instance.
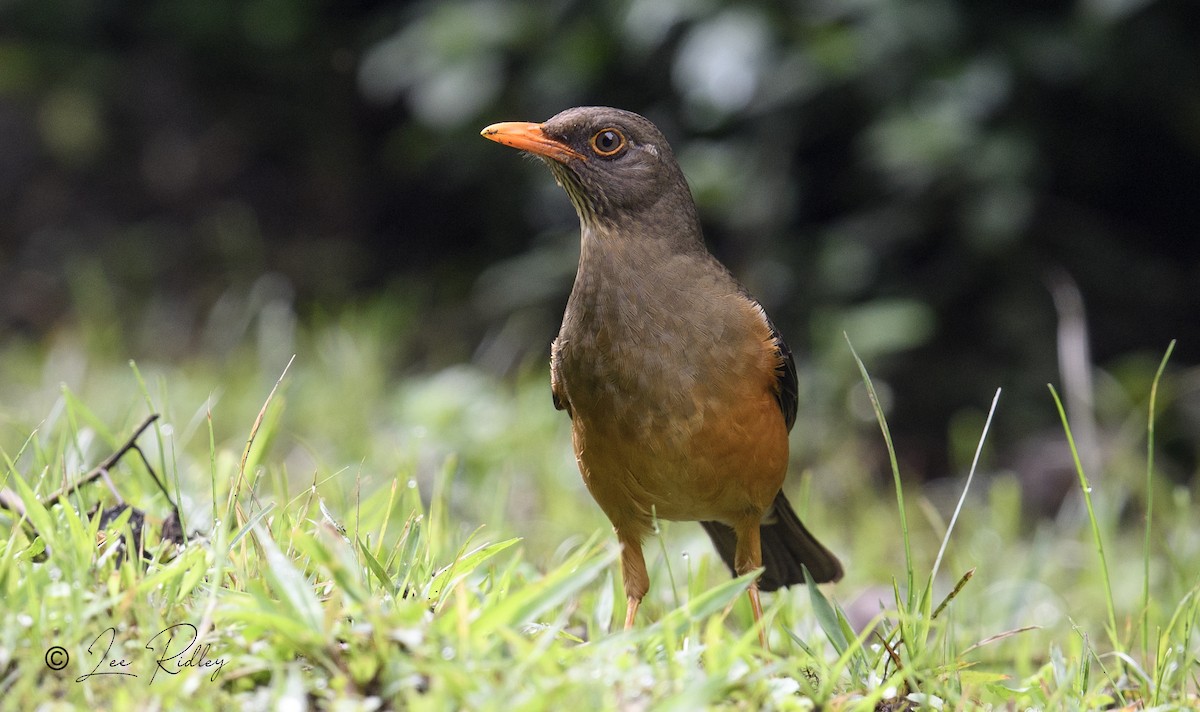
[{"x": 615, "y": 165}]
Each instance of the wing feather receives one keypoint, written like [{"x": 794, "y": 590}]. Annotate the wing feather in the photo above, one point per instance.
[
  {"x": 556, "y": 387},
  {"x": 787, "y": 390}
]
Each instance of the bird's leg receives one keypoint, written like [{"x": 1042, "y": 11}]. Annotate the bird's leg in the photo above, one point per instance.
[
  {"x": 756, "y": 609},
  {"x": 633, "y": 573},
  {"x": 631, "y": 606},
  {"x": 746, "y": 558}
]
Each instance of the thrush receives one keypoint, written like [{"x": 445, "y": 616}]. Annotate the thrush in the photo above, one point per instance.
[{"x": 680, "y": 390}]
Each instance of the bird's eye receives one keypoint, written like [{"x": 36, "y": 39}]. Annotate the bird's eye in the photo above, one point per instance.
[{"x": 607, "y": 142}]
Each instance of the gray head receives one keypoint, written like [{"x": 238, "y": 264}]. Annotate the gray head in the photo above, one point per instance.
[{"x": 616, "y": 166}]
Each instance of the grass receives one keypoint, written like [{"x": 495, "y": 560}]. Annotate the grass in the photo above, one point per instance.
[{"x": 355, "y": 540}]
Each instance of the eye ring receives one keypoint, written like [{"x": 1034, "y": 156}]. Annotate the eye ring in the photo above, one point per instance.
[{"x": 607, "y": 142}]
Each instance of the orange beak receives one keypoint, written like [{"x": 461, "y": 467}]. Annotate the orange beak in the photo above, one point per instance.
[{"x": 530, "y": 137}]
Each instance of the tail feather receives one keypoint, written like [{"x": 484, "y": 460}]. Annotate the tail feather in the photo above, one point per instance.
[{"x": 786, "y": 546}]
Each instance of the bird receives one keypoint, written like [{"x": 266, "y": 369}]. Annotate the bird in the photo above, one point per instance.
[{"x": 680, "y": 390}]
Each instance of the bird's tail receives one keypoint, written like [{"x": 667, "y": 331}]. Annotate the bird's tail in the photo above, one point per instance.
[{"x": 786, "y": 545}]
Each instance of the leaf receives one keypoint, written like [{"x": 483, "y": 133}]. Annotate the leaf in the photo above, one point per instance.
[
  {"x": 461, "y": 567},
  {"x": 254, "y": 520},
  {"x": 981, "y": 677},
  {"x": 827, "y": 618},
  {"x": 532, "y": 600},
  {"x": 289, "y": 583},
  {"x": 706, "y": 604},
  {"x": 38, "y": 515},
  {"x": 330, "y": 552},
  {"x": 376, "y": 568}
]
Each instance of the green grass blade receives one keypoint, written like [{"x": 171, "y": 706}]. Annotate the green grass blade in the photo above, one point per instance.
[
  {"x": 891, "y": 449},
  {"x": 376, "y": 568},
  {"x": 37, "y": 514},
  {"x": 212, "y": 462},
  {"x": 462, "y": 566},
  {"x": 526, "y": 604},
  {"x": 709, "y": 602},
  {"x": 1162, "y": 366},
  {"x": 254, "y": 519},
  {"x": 826, "y": 617},
  {"x": 298, "y": 600},
  {"x": 1097, "y": 537}
]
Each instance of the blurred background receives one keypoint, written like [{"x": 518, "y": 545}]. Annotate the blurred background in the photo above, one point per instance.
[{"x": 979, "y": 195}]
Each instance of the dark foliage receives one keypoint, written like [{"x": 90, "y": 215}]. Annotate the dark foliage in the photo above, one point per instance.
[{"x": 922, "y": 175}]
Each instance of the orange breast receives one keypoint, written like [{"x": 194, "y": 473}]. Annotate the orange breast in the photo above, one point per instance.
[{"x": 720, "y": 455}]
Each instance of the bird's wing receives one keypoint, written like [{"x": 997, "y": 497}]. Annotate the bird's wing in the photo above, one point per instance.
[
  {"x": 789, "y": 387},
  {"x": 787, "y": 391},
  {"x": 556, "y": 389}
]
